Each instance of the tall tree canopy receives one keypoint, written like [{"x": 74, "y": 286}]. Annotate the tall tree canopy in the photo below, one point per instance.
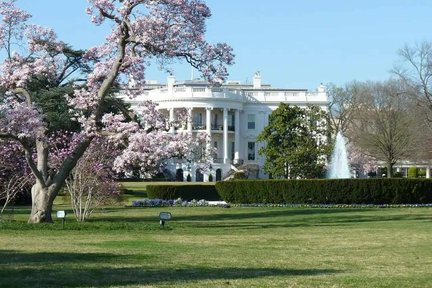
[
  {"x": 295, "y": 142},
  {"x": 141, "y": 30},
  {"x": 383, "y": 125}
]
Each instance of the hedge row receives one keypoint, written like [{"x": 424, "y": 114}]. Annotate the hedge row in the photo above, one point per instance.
[
  {"x": 185, "y": 192},
  {"x": 327, "y": 191}
]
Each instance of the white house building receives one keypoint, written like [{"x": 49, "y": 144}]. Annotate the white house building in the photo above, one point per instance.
[{"x": 232, "y": 114}]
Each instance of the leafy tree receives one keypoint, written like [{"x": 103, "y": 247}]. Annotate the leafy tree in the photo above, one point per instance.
[
  {"x": 412, "y": 172},
  {"x": 141, "y": 30},
  {"x": 295, "y": 142}
]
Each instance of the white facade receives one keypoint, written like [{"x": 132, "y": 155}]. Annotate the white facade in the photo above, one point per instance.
[{"x": 233, "y": 115}]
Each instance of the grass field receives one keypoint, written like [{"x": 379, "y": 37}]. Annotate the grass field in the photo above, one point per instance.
[{"x": 217, "y": 247}]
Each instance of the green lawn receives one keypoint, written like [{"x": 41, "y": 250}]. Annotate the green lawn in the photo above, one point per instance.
[{"x": 217, "y": 247}]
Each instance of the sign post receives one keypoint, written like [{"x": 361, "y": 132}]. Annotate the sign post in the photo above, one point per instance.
[
  {"x": 164, "y": 216},
  {"x": 61, "y": 215}
]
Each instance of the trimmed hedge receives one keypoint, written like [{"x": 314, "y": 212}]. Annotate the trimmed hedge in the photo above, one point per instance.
[
  {"x": 327, "y": 191},
  {"x": 185, "y": 192}
]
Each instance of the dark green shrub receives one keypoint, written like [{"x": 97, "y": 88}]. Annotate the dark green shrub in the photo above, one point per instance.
[
  {"x": 239, "y": 175},
  {"x": 421, "y": 173},
  {"x": 186, "y": 192},
  {"x": 382, "y": 172},
  {"x": 328, "y": 191},
  {"x": 210, "y": 178},
  {"x": 397, "y": 175},
  {"x": 412, "y": 172},
  {"x": 188, "y": 178}
]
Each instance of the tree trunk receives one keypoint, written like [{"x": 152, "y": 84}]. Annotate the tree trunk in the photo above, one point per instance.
[
  {"x": 389, "y": 170},
  {"x": 42, "y": 202}
]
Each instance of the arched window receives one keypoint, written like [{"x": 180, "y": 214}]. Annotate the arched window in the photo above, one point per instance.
[
  {"x": 199, "y": 176},
  {"x": 179, "y": 175},
  {"x": 219, "y": 174}
]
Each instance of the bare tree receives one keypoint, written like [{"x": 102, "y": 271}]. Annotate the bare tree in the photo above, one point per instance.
[
  {"x": 91, "y": 183},
  {"x": 88, "y": 191},
  {"x": 11, "y": 188},
  {"x": 415, "y": 69},
  {"x": 384, "y": 124},
  {"x": 342, "y": 105}
]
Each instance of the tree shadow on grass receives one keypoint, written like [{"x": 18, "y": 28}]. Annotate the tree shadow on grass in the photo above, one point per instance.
[
  {"x": 323, "y": 220},
  {"x": 93, "y": 270},
  {"x": 16, "y": 257}
]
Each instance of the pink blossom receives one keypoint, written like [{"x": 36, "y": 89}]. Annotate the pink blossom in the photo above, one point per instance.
[{"x": 19, "y": 120}]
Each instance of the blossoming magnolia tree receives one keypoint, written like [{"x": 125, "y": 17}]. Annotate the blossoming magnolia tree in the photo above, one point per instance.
[
  {"x": 142, "y": 30},
  {"x": 361, "y": 161}
]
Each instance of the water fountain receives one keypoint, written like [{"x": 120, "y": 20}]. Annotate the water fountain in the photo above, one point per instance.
[{"x": 339, "y": 167}]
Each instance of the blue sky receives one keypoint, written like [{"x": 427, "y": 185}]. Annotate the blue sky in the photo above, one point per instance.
[{"x": 293, "y": 43}]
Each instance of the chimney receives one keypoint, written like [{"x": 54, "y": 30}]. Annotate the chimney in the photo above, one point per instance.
[
  {"x": 257, "y": 80},
  {"x": 321, "y": 88},
  {"x": 170, "y": 83}
]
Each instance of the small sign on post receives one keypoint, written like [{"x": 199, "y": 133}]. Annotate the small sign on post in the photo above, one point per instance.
[
  {"x": 61, "y": 215},
  {"x": 164, "y": 216}
]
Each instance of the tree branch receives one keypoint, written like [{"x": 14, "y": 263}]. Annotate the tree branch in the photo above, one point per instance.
[
  {"x": 24, "y": 93},
  {"x": 32, "y": 164},
  {"x": 70, "y": 162}
]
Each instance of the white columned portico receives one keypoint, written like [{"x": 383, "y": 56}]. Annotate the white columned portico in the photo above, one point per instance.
[
  {"x": 236, "y": 136},
  {"x": 171, "y": 120},
  {"x": 225, "y": 134},
  {"x": 428, "y": 172}
]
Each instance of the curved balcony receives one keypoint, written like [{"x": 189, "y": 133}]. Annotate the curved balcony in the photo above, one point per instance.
[
  {"x": 214, "y": 127},
  {"x": 180, "y": 93}
]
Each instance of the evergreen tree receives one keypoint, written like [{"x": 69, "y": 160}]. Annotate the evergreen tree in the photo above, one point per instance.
[{"x": 295, "y": 142}]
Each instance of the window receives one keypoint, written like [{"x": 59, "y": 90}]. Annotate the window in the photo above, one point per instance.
[
  {"x": 197, "y": 120},
  {"x": 231, "y": 123},
  {"x": 215, "y": 121},
  {"x": 251, "y": 121},
  {"x": 251, "y": 150},
  {"x": 232, "y": 150}
]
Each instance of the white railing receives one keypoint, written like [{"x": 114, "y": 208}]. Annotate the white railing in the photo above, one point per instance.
[
  {"x": 179, "y": 93},
  {"x": 195, "y": 92}
]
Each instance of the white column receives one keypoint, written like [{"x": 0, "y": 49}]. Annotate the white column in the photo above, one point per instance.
[
  {"x": 208, "y": 129},
  {"x": 189, "y": 120},
  {"x": 208, "y": 120},
  {"x": 171, "y": 120},
  {"x": 236, "y": 136},
  {"x": 428, "y": 172},
  {"x": 225, "y": 134}
]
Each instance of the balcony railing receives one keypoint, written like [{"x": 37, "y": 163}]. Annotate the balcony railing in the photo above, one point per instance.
[{"x": 198, "y": 126}]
